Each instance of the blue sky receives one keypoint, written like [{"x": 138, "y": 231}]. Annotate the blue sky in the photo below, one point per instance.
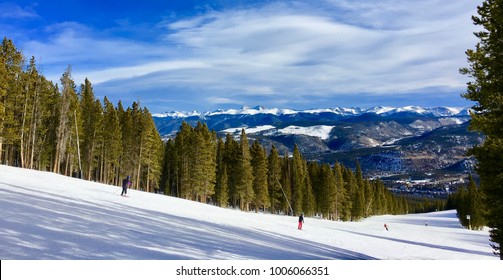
[{"x": 218, "y": 54}]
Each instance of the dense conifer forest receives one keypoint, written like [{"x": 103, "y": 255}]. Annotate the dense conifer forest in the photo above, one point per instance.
[
  {"x": 239, "y": 173},
  {"x": 64, "y": 129}
]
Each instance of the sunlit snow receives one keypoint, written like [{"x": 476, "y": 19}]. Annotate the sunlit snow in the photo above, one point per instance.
[{"x": 50, "y": 216}]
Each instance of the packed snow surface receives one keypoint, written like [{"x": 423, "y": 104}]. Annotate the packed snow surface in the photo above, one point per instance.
[{"x": 49, "y": 216}]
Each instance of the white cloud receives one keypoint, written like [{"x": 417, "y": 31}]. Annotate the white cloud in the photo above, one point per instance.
[
  {"x": 291, "y": 51},
  {"x": 278, "y": 52},
  {"x": 14, "y": 11},
  {"x": 222, "y": 100}
]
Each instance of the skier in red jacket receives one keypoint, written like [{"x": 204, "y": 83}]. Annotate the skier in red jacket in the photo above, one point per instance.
[{"x": 301, "y": 221}]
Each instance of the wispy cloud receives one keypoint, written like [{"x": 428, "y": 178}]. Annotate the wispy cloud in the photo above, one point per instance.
[
  {"x": 10, "y": 10},
  {"x": 297, "y": 54}
]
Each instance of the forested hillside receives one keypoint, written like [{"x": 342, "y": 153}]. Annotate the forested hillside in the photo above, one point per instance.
[
  {"x": 200, "y": 166},
  {"x": 65, "y": 129}
]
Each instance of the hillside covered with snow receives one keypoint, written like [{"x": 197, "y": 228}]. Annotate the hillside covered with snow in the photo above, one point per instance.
[{"x": 53, "y": 217}]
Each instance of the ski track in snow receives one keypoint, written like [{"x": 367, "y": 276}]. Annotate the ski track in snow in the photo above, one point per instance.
[{"x": 50, "y": 216}]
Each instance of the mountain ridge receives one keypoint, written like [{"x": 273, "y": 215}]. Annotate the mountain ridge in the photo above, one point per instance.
[
  {"x": 388, "y": 142},
  {"x": 343, "y": 111}
]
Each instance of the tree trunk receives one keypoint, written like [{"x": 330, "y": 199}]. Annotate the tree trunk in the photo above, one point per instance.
[{"x": 22, "y": 131}]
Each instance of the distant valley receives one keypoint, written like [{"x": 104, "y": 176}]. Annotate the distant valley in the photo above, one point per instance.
[{"x": 413, "y": 149}]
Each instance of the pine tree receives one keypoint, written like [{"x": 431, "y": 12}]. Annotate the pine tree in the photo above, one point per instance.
[
  {"x": 259, "y": 167},
  {"x": 152, "y": 153},
  {"x": 31, "y": 118},
  {"x": 222, "y": 177},
  {"x": 475, "y": 209},
  {"x": 462, "y": 209},
  {"x": 298, "y": 183},
  {"x": 308, "y": 199},
  {"x": 358, "y": 194},
  {"x": 220, "y": 167},
  {"x": 327, "y": 193},
  {"x": 349, "y": 188},
  {"x": 486, "y": 70},
  {"x": 168, "y": 169},
  {"x": 286, "y": 184},
  {"x": 244, "y": 182},
  {"x": 223, "y": 195},
  {"x": 273, "y": 180},
  {"x": 112, "y": 143},
  {"x": 47, "y": 132},
  {"x": 12, "y": 62},
  {"x": 340, "y": 196},
  {"x": 66, "y": 141},
  {"x": 231, "y": 161},
  {"x": 91, "y": 115},
  {"x": 3, "y": 95},
  {"x": 129, "y": 143},
  {"x": 202, "y": 167},
  {"x": 182, "y": 152}
]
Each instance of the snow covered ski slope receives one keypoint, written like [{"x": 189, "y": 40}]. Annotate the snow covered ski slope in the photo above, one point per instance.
[{"x": 53, "y": 217}]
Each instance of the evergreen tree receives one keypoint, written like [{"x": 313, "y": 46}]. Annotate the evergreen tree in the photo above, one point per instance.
[
  {"x": 223, "y": 183},
  {"x": 486, "y": 89},
  {"x": 286, "y": 184},
  {"x": 152, "y": 153},
  {"x": 126, "y": 162},
  {"x": 463, "y": 206},
  {"x": 327, "y": 194},
  {"x": 349, "y": 186},
  {"x": 298, "y": 181},
  {"x": 222, "y": 178},
  {"x": 28, "y": 79},
  {"x": 47, "y": 132},
  {"x": 273, "y": 180},
  {"x": 223, "y": 194},
  {"x": 167, "y": 182},
  {"x": 244, "y": 174},
  {"x": 91, "y": 115},
  {"x": 202, "y": 167},
  {"x": 308, "y": 199},
  {"x": 476, "y": 208},
  {"x": 231, "y": 155},
  {"x": 359, "y": 199},
  {"x": 340, "y": 197},
  {"x": 259, "y": 171},
  {"x": 379, "y": 197},
  {"x": 182, "y": 152},
  {"x": 66, "y": 140},
  {"x": 357, "y": 193},
  {"x": 112, "y": 144},
  {"x": 12, "y": 62},
  {"x": 32, "y": 114}
]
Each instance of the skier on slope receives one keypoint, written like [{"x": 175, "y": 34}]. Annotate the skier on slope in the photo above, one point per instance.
[
  {"x": 386, "y": 227},
  {"x": 125, "y": 184},
  {"x": 301, "y": 221}
]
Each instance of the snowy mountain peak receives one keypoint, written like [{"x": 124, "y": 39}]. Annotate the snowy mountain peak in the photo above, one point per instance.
[
  {"x": 343, "y": 111},
  {"x": 178, "y": 115}
]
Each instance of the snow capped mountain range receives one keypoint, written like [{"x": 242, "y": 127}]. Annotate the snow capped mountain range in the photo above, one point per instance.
[
  {"x": 342, "y": 111},
  {"x": 323, "y": 124},
  {"x": 385, "y": 140}
]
